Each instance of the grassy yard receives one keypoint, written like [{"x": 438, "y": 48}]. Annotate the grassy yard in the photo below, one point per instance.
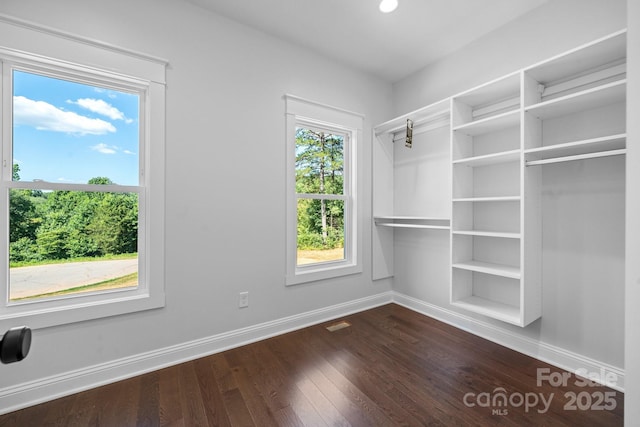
[
  {"x": 117, "y": 283},
  {"x": 311, "y": 256}
]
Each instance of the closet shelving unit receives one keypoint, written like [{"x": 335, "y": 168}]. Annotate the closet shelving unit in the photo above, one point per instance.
[
  {"x": 486, "y": 236},
  {"x": 588, "y": 83},
  {"x": 408, "y": 180},
  {"x": 574, "y": 108},
  {"x": 571, "y": 107}
]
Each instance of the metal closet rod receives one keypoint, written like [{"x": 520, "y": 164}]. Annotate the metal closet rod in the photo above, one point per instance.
[
  {"x": 418, "y": 121},
  {"x": 417, "y": 129}
]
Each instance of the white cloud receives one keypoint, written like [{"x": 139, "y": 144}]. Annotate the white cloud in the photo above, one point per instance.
[
  {"x": 128, "y": 152},
  {"x": 109, "y": 93},
  {"x": 44, "y": 116},
  {"x": 104, "y": 148},
  {"x": 101, "y": 107}
]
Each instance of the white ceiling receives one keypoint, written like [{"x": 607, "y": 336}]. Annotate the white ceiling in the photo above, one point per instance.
[{"x": 354, "y": 32}]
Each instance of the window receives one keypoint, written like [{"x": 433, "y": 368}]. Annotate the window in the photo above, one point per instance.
[
  {"x": 320, "y": 192},
  {"x": 323, "y": 234},
  {"x": 81, "y": 184},
  {"x": 66, "y": 238}
]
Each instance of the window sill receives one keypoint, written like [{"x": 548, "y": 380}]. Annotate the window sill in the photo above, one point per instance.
[
  {"x": 44, "y": 317},
  {"x": 322, "y": 272}
]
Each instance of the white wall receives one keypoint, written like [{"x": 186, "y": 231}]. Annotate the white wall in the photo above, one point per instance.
[
  {"x": 225, "y": 84},
  {"x": 555, "y": 27},
  {"x": 583, "y": 295},
  {"x": 632, "y": 297},
  {"x": 225, "y": 177}
]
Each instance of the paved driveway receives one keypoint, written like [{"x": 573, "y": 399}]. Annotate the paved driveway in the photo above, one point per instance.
[{"x": 27, "y": 281}]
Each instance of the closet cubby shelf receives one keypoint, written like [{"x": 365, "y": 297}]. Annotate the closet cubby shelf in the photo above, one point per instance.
[
  {"x": 608, "y": 153},
  {"x": 489, "y": 268},
  {"x": 488, "y": 199},
  {"x": 601, "y": 146},
  {"x": 607, "y": 50},
  {"x": 490, "y": 124},
  {"x": 490, "y": 159},
  {"x": 506, "y": 313},
  {"x": 495, "y": 91},
  {"x": 500, "y": 234},
  {"x": 605, "y": 94}
]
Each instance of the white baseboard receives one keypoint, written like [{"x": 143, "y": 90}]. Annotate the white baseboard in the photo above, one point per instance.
[
  {"x": 28, "y": 394},
  {"x": 550, "y": 354}
]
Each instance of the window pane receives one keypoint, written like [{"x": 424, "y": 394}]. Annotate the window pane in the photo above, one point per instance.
[
  {"x": 69, "y": 132},
  {"x": 69, "y": 242},
  {"x": 319, "y": 162},
  {"x": 320, "y": 231}
]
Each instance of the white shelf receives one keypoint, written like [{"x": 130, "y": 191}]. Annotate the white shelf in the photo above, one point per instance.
[
  {"x": 489, "y": 268},
  {"x": 504, "y": 312},
  {"x": 408, "y": 218},
  {"x": 604, "y": 51},
  {"x": 398, "y": 225},
  {"x": 438, "y": 112},
  {"x": 490, "y": 159},
  {"x": 607, "y": 94},
  {"x": 490, "y": 124},
  {"x": 487, "y": 234},
  {"x": 593, "y": 145},
  {"x": 491, "y": 92},
  {"x": 413, "y": 222},
  {"x": 609, "y": 153},
  {"x": 488, "y": 199}
]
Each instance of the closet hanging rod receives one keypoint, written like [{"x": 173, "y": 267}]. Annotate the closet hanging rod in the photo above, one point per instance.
[
  {"x": 399, "y": 136},
  {"x": 442, "y": 114},
  {"x": 576, "y": 157}
]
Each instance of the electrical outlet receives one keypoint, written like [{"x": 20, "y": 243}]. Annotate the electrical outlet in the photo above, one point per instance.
[{"x": 243, "y": 301}]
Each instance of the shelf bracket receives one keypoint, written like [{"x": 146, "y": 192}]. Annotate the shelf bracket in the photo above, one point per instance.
[{"x": 408, "y": 142}]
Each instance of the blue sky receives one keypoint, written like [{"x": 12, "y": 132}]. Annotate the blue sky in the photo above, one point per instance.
[{"x": 67, "y": 132}]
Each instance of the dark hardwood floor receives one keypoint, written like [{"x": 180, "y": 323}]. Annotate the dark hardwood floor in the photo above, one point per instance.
[{"x": 391, "y": 367}]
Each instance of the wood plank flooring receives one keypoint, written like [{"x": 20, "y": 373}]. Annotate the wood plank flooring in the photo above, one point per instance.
[{"x": 391, "y": 367}]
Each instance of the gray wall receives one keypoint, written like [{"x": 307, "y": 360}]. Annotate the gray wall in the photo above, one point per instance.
[
  {"x": 555, "y": 27},
  {"x": 224, "y": 163},
  {"x": 225, "y": 82},
  {"x": 632, "y": 296}
]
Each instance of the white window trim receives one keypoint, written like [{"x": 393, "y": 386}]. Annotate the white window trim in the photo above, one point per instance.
[
  {"x": 40, "y": 48},
  {"x": 300, "y": 111}
]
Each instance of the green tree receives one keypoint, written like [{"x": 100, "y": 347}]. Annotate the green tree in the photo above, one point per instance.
[
  {"x": 114, "y": 225},
  {"x": 319, "y": 170},
  {"x": 24, "y": 249},
  {"x": 23, "y": 219},
  {"x": 16, "y": 172},
  {"x": 100, "y": 180},
  {"x": 88, "y": 223}
]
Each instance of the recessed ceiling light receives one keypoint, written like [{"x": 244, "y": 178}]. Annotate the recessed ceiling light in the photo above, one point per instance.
[{"x": 387, "y": 6}]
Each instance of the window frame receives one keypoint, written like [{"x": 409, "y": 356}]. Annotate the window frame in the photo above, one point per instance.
[
  {"x": 316, "y": 116},
  {"x": 90, "y": 63}
]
